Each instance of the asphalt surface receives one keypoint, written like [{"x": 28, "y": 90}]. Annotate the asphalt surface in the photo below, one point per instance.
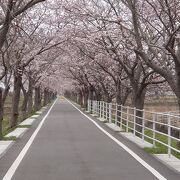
[{"x": 70, "y": 147}]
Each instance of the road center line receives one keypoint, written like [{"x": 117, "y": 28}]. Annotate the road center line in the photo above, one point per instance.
[
  {"x": 133, "y": 154},
  {"x": 20, "y": 157}
]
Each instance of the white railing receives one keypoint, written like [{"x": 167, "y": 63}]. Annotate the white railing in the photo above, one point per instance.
[{"x": 157, "y": 128}]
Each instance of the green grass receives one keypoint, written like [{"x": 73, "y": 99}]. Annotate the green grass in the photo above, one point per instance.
[
  {"x": 113, "y": 121},
  {"x": 23, "y": 126},
  {"x": 8, "y": 130},
  {"x": 160, "y": 148},
  {"x": 11, "y": 138}
]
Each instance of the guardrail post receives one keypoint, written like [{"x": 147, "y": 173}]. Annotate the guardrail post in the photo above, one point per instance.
[
  {"x": 116, "y": 113},
  {"x": 100, "y": 109},
  {"x": 169, "y": 136},
  {"x": 89, "y": 106},
  {"x": 96, "y": 107},
  {"x": 154, "y": 129},
  {"x": 127, "y": 125},
  {"x": 110, "y": 112},
  {"x": 103, "y": 110},
  {"x": 143, "y": 124},
  {"x": 92, "y": 107},
  {"x": 121, "y": 116},
  {"x": 106, "y": 110},
  {"x": 134, "y": 128}
]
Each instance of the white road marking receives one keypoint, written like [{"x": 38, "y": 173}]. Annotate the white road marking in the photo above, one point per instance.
[
  {"x": 20, "y": 157},
  {"x": 134, "y": 155}
]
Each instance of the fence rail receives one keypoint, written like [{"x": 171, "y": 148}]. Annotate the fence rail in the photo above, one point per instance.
[{"x": 157, "y": 128}]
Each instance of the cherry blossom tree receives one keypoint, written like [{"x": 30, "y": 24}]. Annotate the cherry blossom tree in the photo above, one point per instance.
[
  {"x": 106, "y": 26},
  {"x": 9, "y": 10}
]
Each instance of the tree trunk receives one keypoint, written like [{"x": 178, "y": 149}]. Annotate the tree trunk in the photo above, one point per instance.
[
  {"x": 178, "y": 100},
  {"x": 138, "y": 103},
  {"x": 118, "y": 94},
  {"x": 97, "y": 95},
  {"x": 40, "y": 98},
  {"x": 125, "y": 96},
  {"x": 5, "y": 94},
  {"x": 86, "y": 99},
  {"x": 119, "y": 102},
  {"x": 48, "y": 97},
  {"x": 24, "y": 105},
  {"x": 37, "y": 100},
  {"x": 1, "y": 114},
  {"x": 3, "y": 32},
  {"x": 91, "y": 90},
  {"x": 178, "y": 83},
  {"x": 15, "y": 100},
  {"x": 80, "y": 98},
  {"x": 30, "y": 102},
  {"x": 30, "y": 96},
  {"x": 107, "y": 97},
  {"x": 45, "y": 101}
]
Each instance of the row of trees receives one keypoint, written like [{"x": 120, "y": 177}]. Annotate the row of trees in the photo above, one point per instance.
[
  {"x": 124, "y": 47},
  {"x": 28, "y": 50}
]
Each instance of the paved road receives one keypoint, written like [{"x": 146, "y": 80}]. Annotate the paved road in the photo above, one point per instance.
[{"x": 70, "y": 147}]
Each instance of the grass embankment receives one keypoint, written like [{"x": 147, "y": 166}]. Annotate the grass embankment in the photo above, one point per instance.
[
  {"x": 160, "y": 148},
  {"x": 7, "y": 116}
]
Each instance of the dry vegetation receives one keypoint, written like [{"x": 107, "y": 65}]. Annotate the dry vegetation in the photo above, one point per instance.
[{"x": 162, "y": 104}]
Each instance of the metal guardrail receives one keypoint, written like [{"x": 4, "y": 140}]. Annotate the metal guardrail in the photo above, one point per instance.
[{"x": 155, "y": 127}]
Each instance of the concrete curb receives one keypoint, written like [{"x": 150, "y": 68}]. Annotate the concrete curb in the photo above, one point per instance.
[
  {"x": 18, "y": 132},
  {"x": 138, "y": 141},
  {"x": 28, "y": 121},
  {"x": 172, "y": 162},
  {"x": 114, "y": 127}
]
